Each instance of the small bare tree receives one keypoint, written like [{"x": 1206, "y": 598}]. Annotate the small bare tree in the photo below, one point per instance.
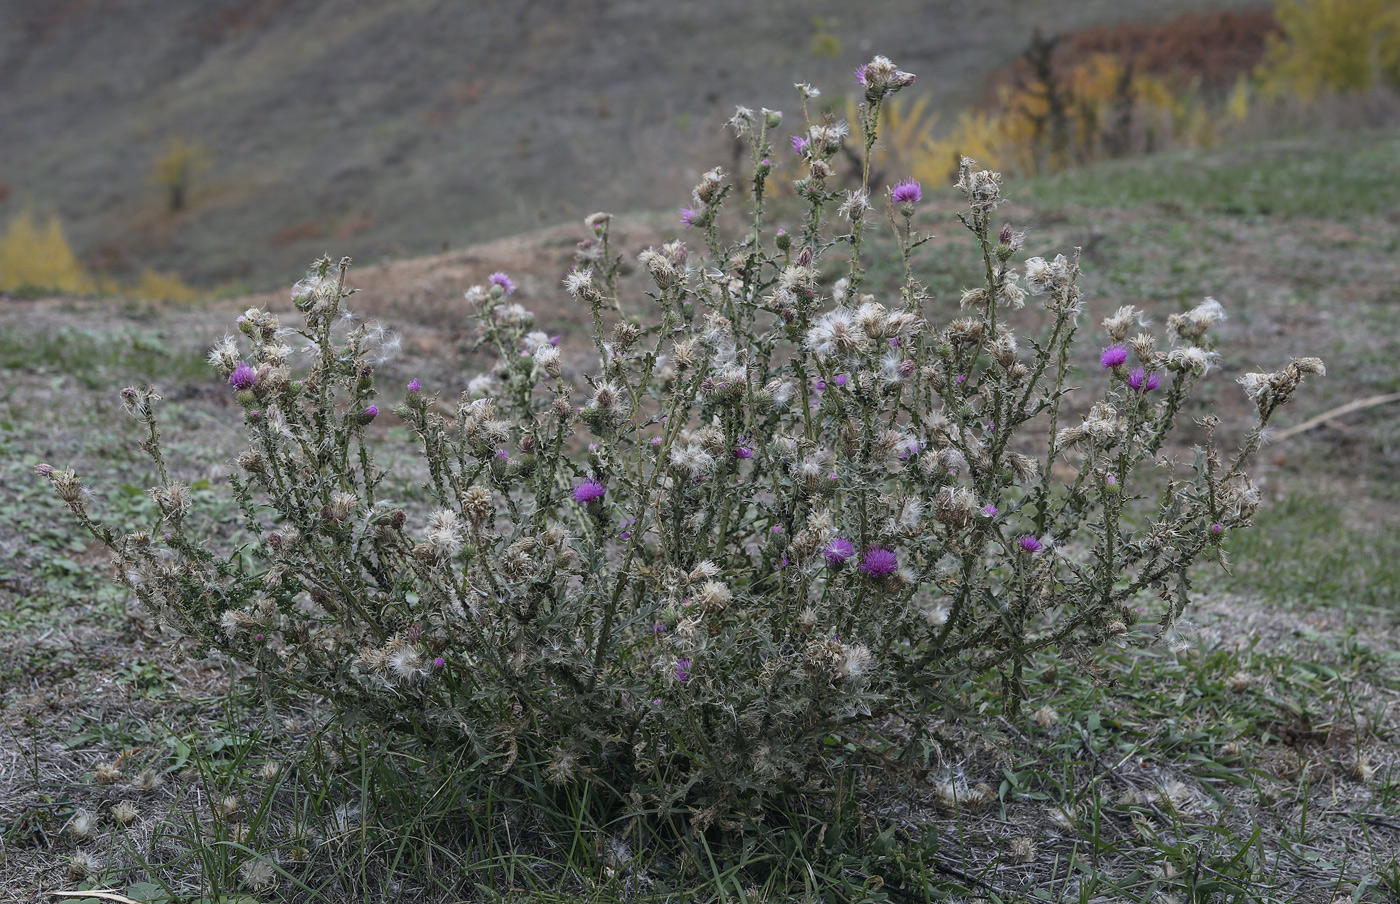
[{"x": 177, "y": 167}]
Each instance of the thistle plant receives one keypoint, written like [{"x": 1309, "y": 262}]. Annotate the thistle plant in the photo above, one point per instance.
[{"x": 776, "y": 513}]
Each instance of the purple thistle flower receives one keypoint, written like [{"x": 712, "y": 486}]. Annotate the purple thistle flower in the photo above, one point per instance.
[
  {"x": 1141, "y": 381},
  {"x": 820, "y": 386},
  {"x": 838, "y": 551},
  {"x": 258, "y": 638},
  {"x": 1113, "y": 356},
  {"x": 243, "y": 377},
  {"x": 500, "y": 279},
  {"x": 503, "y": 455},
  {"x": 439, "y": 663},
  {"x": 840, "y": 380},
  {"x": 908, "y": 191},
  {"x": 1217, "y": 528},
  {"x": 743, "y": 450},
  {"x": 879, "y": 562},
  {"x": 688, "y": 216},
  {"x": 658, "y": 629},
  {"x": 1030, "y": 544},
  {"x": 683, "y": 670},
  {"x": 588, "y": 491},
  {"x": 370, "y": 413},
  {"x": 799, "y": 144},
  {"x": 989, "y": 510},
  {"x": 415, "y": 386},
  {"x": 860, "y": 75}
]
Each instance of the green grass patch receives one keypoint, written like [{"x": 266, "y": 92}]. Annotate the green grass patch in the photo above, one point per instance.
[
  {"x": 1330, "y": 177},
  {"x": 1304, "y": 550},
  {"x": 98, "y": 358}
]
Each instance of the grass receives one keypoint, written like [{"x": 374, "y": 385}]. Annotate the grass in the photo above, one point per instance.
[
  {"x": 1334, "y": 177},
  {"x": 1306, "y": 550},
  {"x": 1221, "y": 767},
  {"x": 98, "y": 358}
]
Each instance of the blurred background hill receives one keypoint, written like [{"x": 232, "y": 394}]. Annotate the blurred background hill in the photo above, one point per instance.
[{"x": 228, "y": 142}]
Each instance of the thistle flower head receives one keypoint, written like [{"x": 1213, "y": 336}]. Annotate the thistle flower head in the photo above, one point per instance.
[
  {"x": 1114, "y": 356},
  {"x": 243, "y": 377},
  {"x": 1030, "y": 543},
  {"x": 1142, "y": 381},
  {"x": 879, "y": 562},
  {"x": 502, "y": 281},
  {"x": 838, "y": 551},
  {"x": 589, "y": 491},
  {"x": 908, "y": 191}
]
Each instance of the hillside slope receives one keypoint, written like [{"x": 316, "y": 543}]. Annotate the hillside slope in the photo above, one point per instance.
[{"x": 381, "y": 129}]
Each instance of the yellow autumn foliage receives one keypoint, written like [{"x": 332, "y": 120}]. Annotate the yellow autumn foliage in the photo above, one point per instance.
[
  {"x": 37, "y": 257},
  {"x": 1337, "y": 46},
  {"x": 1107, "y": 108},
  {"x": 34, "y": 256},
  {"x": 157, "y": 286}
]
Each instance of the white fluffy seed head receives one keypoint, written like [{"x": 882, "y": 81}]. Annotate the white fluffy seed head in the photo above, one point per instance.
[{"x": 83, "y": 824}]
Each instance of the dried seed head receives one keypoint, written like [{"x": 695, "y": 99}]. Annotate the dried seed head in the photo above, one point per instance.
[
  {"x": 1192, "y": 325},
  {"x": 82, "y": 825},
  {"x": 954, "y": 507},
  {"x": 547, "y": 359},
  {"x": 710, "y": 185},
  {"x": 659, "y": 266},
  {"x": 478, "y": 506},
  {"x": 973, "y": 299},
  {"x": 81, "y": 865},
  {"x": 1121, "y": 321},
  {"x": 257, "y": 874},
  {"x": 854, "y": 661},
  {"x": 1144, "y": 345},
  {"x": 125, "y": 812},
  {"x": 146, "y": 780},
  {"x": 713, "y": 596},
  {"x": 982, "y": 188},
  {"x": 407, "y": 665},
  {"x": 1239, "y": 681}
]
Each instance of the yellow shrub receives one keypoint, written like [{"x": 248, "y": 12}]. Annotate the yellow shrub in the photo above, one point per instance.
[
  {"x": 1104, "y": 104},
  {"x": 1341, "y": 46},
  {"x": 156, "y": 286},
  {"x": 34, "y": 257}
]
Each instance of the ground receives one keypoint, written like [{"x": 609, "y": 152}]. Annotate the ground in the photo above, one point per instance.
[{"x": 1257, "y": 756}]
